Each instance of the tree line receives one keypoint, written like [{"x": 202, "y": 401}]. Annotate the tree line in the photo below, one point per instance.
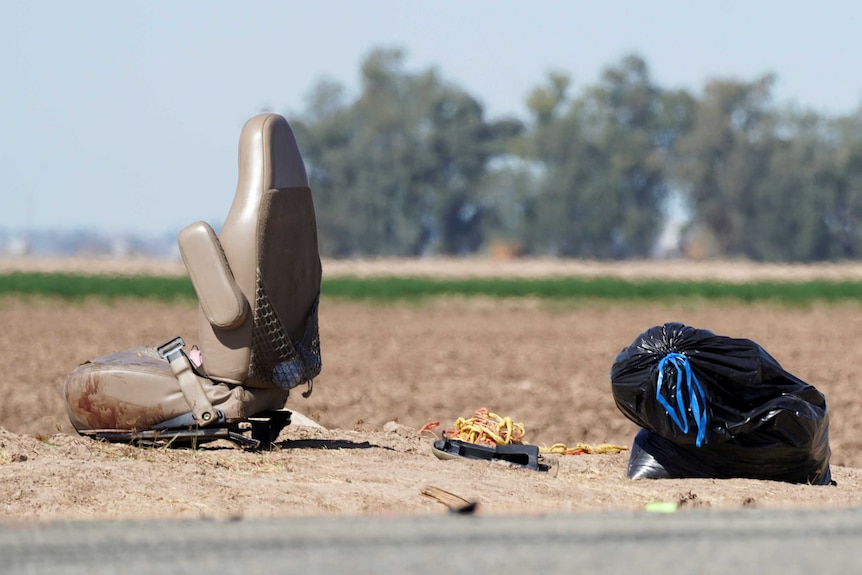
[{"x": 621, "y": 169}]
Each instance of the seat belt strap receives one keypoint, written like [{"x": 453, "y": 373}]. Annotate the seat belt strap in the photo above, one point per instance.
[{"x": 190, "y": 385}]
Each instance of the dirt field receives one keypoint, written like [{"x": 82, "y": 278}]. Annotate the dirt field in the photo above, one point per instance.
[{"x": 389, "y": 369}]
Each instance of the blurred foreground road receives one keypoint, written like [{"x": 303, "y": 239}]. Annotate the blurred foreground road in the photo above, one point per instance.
[{"x": 748, "y": 541}]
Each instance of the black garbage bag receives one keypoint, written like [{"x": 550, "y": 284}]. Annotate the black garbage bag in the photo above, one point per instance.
[{"x": 715, "y": 406}]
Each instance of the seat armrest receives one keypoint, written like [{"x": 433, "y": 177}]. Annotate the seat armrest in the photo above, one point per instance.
[{"x": 220, "y": 298}]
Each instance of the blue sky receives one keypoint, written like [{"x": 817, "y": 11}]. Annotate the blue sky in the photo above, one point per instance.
[{"x": 124, "y": 115}]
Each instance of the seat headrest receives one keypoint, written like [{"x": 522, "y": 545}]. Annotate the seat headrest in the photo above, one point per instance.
[{"x": 269, "y": 157}]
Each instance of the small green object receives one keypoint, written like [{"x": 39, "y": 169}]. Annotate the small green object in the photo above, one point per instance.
[{"x": 661, "y": 506}]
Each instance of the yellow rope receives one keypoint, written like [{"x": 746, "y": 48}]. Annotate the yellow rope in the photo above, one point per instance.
[
  {"x": 486, "y": 428},
  {"x": 581, "y": 448}
]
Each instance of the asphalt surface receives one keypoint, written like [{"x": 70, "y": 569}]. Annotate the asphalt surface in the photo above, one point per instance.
[{"x": 746, "y": 541}]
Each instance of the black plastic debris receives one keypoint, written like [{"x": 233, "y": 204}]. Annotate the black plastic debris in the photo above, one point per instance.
[{"x": 515, "y": 454}]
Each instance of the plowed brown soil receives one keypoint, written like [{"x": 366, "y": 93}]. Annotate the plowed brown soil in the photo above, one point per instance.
[{"x": 389, "y": 369}]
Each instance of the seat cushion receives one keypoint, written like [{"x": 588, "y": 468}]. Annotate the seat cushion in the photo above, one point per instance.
[{"x": 135, "y": 389}]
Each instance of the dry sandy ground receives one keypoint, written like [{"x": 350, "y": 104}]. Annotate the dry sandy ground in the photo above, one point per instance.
[{"x": 389, "y": 369}]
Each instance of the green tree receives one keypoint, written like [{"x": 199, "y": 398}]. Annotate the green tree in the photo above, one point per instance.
[
  {"x": 602, "y": 158},
  {"x": 787, "y": 220},
  {"x": 724, "y": 156},
  {"x": 843, "y": 214},
  {"x": 772, "y": 185},
  {"x": 400, "y": 170}
]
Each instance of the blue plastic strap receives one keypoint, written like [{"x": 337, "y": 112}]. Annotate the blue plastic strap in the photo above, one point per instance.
[{"x": 696, "y": 397}]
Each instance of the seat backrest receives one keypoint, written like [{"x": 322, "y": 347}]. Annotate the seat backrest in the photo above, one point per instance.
[{"x": 270, "y": 243}]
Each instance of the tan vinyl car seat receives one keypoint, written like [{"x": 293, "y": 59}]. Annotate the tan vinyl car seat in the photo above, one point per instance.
[{"x": 258, "y": 286}]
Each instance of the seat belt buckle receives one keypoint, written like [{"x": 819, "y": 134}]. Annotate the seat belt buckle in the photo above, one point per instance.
[{"x": 172, "y": 349}]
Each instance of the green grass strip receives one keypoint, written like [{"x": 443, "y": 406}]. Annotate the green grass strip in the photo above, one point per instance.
[
  {"x": 383, "y": 289},
  {"x": 74, "y": 286}
]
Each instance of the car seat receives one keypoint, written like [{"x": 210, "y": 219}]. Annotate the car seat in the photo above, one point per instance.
[{"x": 257, "y": 283}]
